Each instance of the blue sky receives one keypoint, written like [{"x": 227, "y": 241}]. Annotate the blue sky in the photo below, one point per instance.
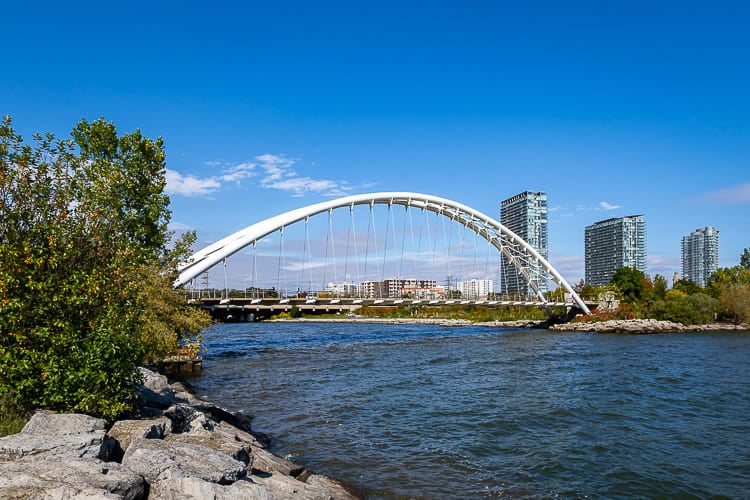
[{"x": 268, "y": 106}]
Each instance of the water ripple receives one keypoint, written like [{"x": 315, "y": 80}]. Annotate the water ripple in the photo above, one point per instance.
[{"x": 409, "y": 411}]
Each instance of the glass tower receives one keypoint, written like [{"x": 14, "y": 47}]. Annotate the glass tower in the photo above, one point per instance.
[
  {"x": 700, "y": 255},
  {"x": 614, "y": 243},
  {"x": 526, "y": 215}
]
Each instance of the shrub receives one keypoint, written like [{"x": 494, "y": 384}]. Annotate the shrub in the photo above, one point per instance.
[
  {"x": 83, "y": 250},
  {"x": 693, "y": 309}
]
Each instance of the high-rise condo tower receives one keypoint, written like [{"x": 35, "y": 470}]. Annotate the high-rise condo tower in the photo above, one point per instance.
[
  {"x": 526, "y": 215},
  {"x": 700, "y": 255},
  {"x": 614, "y": 243}
]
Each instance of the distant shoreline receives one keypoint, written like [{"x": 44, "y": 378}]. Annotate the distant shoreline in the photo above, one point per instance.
[
  {"x": 417, "y": 321},
  {"x": 632, "y": 326}
]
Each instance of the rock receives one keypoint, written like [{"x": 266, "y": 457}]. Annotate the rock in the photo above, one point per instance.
[
  {"x": 56, "y": 436},
  {"x": 153, "y": 458},
  {"x": 61, "y": 424},
  {"x": 632, "y": 326},
  {"x": 262, "y": 460},
  {"x": 186, "y": 418},
  {"x": 127, "y": 431},
  {"x": 330, "y": 486},
  {"x": 72, "y": 446},
  {"x": 281, "y": 487},
  {"x": 73, "y": 479},
  {"x": 153, "y": 381},
  {"x": 179, "y": 488},
  {"x": 266, "y": 462},
  {"x": 219, "y": 439}
]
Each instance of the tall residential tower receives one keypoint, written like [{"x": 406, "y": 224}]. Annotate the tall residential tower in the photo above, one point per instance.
[
  {"x": 700, "y": 255},
  {"x": 614, "y": 243},
  {"x": 526, "y": 215}
]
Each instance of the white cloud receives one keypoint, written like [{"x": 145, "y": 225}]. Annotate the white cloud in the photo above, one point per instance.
[
  {"x": 666, "y": 266},
  {"x": 303, "y": 266},
  {"x": 239, "y": 172},
  {"x": 280, "y": 174},
  {"x": 188, "y": 185},
  {"x": 570, "y": 266},
  {"x": 276, "y": 168},
  {"x": 274, "y": 172},
  {"x": 608, "y": 206},
  {"x": 603, "y": 205},
  {"x": 733, "y": 195}
]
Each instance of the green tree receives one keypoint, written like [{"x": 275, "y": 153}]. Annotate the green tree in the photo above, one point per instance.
[
  {"x": 83, "y": 250},
  {"x": 735, "y": 303},
  {"x": 680, "y": 307},
  {"x": 725, "y": 277},
  {"x": 745, "y": 259},
  {"x": 660, "y": 287},
  {"x": 629, "y": 281},
  {"x": 583, "y": 289},
  {"x": 687, "y": 286}
]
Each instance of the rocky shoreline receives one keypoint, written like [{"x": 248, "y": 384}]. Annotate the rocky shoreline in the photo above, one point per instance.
[
  {"x": 644, "y": 326},
  {"x": 632, "y": 326},
  {"x": 176, "y": 446},
  {"x": 522, "y": 323}
]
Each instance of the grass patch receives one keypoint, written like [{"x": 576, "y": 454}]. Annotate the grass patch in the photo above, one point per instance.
[{"x": 12, "y": 418}]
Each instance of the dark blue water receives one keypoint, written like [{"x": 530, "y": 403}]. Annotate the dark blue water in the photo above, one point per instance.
[{"x": 465, "y": 412}]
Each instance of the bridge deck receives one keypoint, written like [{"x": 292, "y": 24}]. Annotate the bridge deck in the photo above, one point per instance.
[{"x": 352, "y": 303}]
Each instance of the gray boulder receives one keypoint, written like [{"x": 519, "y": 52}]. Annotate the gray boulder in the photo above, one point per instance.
[
  {"x": 127, "y": 431},
  {"x": 153, "y": 458},
  {"x": 179, "y": 488},
  {"x": 186, "y": 418},
  {"x": 153, "y": 381},
  {"x": 282, "y": 487},
  {"x": 219, "y": 440},
  {"x": 330, "y": 486},
  {"x": 62, "y": 424},
  {"x": 42, "y": 478},
  {"x": 56, "y": 436}
]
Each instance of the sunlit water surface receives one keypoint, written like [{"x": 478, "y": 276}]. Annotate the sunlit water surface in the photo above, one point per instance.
[{"x": 420, "y": 411}]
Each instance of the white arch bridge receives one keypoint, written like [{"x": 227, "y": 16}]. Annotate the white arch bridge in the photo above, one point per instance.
[{"x": 528, "y": 264}]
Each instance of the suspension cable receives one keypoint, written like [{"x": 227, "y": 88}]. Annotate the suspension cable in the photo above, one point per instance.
[
  {"x": 281, "y": 261},
  {"x": 333, "y": 246},
  {"x": 356, "y": 252}
]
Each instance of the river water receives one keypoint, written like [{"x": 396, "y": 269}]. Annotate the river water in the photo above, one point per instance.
[{"x": 423, "y": 411}]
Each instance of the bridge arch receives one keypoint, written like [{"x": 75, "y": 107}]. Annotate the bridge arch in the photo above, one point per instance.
[{"x": 517, "y": 251}]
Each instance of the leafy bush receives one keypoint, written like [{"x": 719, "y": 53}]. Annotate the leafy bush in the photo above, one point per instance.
[
  {"x": 735, "y": 303},
  {"x": 693, "y": 309},
  {"x": 82, "y": 247}
]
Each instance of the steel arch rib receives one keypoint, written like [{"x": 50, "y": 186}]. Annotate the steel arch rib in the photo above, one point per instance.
[{"x": 488, "y": 228}]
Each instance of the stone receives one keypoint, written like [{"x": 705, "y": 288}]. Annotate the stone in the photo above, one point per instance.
[
  {"x": 330, "y": 486},
  {"x": 41, "y": 478},
  {"x": 282, "y": 487},
  {"x": 179, "y": 488},
  {"x": 186, "y": 418},
  {"x": 631, "y": 326},
  {"x": 219, "y": 440},
  {"x": 57, "y": 447},
  {"x": 61, "y": 436},
  {"x": 152, "y": 380},
  {"x": 61, "y": 424},
  {"x": 267, "y": 462},
  {"x": 127, "y": 431},
  {"x": 153, "y": 458}
]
